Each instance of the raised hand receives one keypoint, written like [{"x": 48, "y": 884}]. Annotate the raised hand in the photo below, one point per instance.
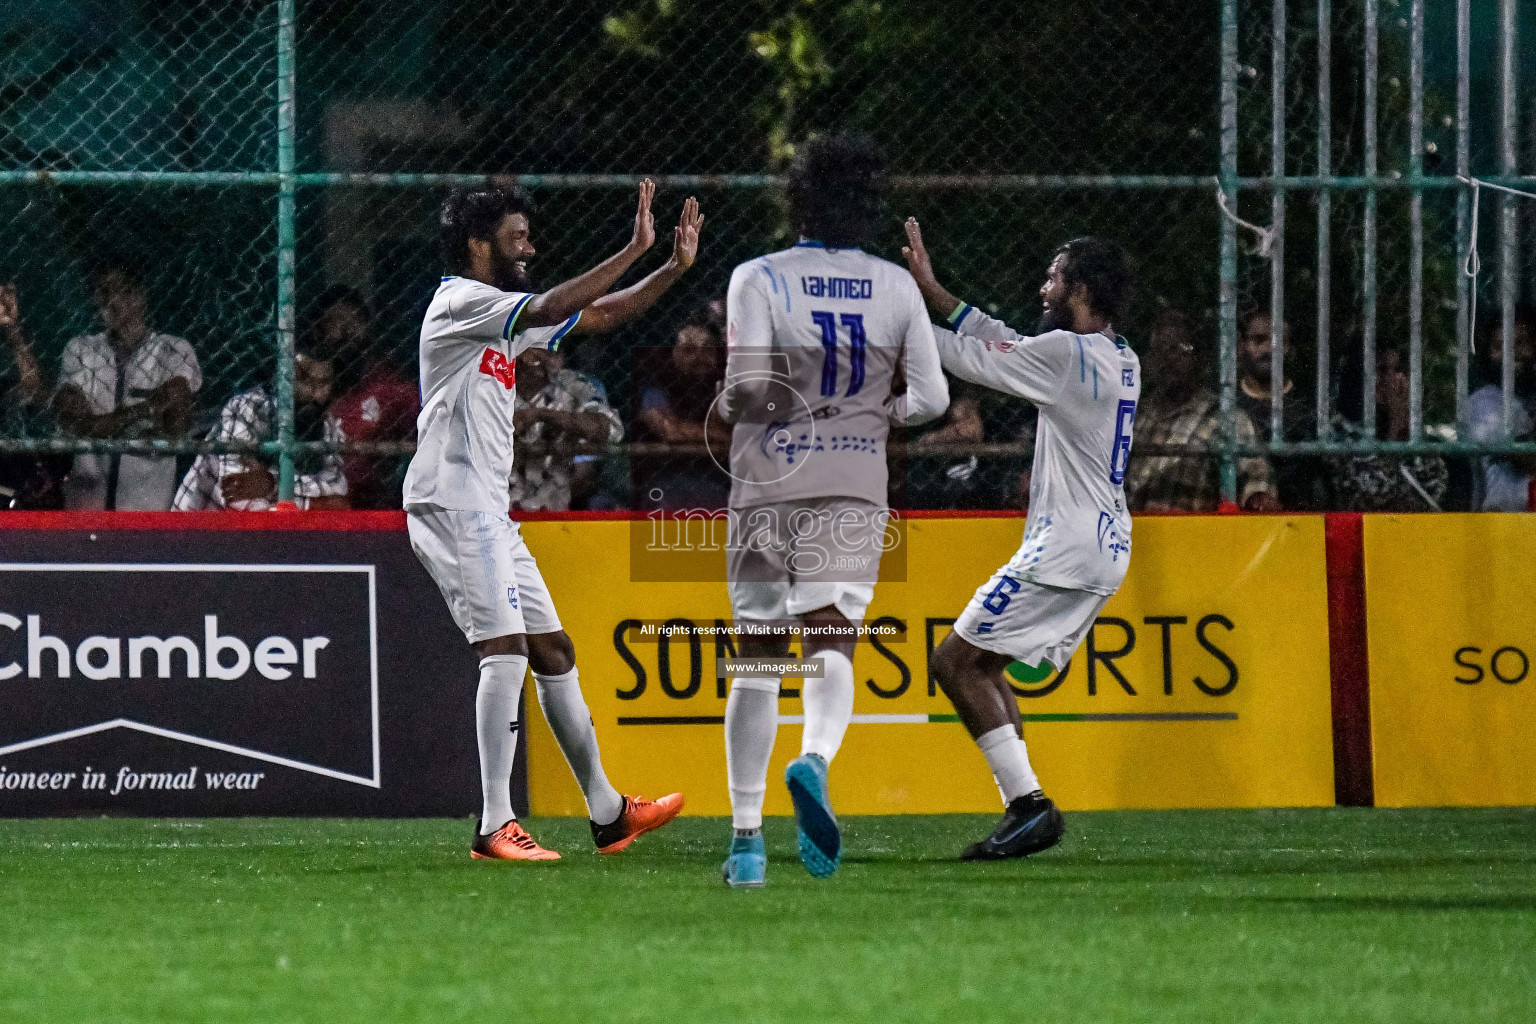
[
  {"x": 917, "y": 254},
  {"x": 645, "y": 224},
  {"x": 685, "y": 237},
  {"x": 939, "y": 300}
]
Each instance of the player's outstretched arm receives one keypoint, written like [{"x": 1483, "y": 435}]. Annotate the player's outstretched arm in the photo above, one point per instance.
[
  {"x": 957, "y": 315},
  {"x": 556, "y": 305},
  {"x": 927, "y": 391},
  {"x": 621, "y": 307},
  {"x": 940, "y": 301}
]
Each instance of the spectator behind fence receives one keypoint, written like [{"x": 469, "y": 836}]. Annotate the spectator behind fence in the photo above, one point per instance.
[
  {"x": 1504, "y": 484},
  {"x": 1178, "y": 407},
  {"x": 128, "y": 381},
  {"x": 249, "y": 482},
  {"x": 375, "y": 400},
  {"x": 1380, "y": 483},
  {"x": 1297, "y": 480},
  {"x": 563, "y": 423},
  {"x": 26, "y": 481},
  {"x": 675, "y": 410}
]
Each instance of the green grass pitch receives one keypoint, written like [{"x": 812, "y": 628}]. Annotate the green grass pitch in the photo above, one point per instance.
[{"x": 1285, "y": 916}]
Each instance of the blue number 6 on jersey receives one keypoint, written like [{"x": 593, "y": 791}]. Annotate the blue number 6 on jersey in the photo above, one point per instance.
[
  {"x": 1001, "y": 594},
  {"x": 1120, "y": 453}
]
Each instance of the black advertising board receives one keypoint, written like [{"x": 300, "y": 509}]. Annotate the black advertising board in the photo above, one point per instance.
[{"x": 224, "y": 672}]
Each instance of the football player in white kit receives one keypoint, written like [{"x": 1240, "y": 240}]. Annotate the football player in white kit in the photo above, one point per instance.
[
  {"x": 1086, "y": 382},
  {"x": 817, "y": 335},
  {"x": 483, "y": 315}
]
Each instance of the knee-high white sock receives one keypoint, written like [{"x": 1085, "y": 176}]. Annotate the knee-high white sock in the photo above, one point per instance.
[
  {"x": 496, "y": 725},
  {"x": 751, "y": 722},
  {"x": 570, "y": 720},
  {"x": 1009, "y": 760},
  {"x": 828, "y": 706}
]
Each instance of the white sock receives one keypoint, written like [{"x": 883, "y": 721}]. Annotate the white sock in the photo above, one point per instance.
[
  {"x": 496, "y": 725},
  {"x": 751, "y": 723},
  {"x": 571, "y": 721},
  {"x": 828, "y": 706},
  {"x": 1009, "y": 760}
]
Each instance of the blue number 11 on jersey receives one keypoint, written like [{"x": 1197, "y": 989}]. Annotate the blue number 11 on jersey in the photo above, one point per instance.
[{"x": 827, "y": 321}]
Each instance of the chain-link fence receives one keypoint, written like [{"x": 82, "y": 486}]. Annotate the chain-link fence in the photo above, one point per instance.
[
  {"x": 1360, "y": 136},
  {"x": 194, "y": 191}
]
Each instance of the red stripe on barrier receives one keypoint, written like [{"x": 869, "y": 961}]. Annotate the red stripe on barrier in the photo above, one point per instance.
[
  {"x": 222, "y": 520},
  {"x": 1348, "y": 659},
  {"x": 394, "y": 520}
]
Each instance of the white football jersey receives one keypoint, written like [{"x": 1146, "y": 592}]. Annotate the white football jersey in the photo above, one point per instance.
[
  {"x": 815, "y": 339},
  {"x": 469, "y": 348},
  {"x": 1086, "y": 386}
]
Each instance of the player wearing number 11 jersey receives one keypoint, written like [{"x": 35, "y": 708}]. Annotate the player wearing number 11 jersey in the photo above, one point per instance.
[
  {"x": 818, "y": 335},
  {"x": 1085, "y": 381}
]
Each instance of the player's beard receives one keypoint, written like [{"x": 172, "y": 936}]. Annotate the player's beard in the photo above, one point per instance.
[
  {"x": 1053, "y": 319},
  {"x": 510, "y": 274}
]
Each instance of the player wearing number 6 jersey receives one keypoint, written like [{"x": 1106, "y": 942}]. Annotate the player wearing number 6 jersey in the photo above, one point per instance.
[
  {"x": 817, "y": 336},
  {"x": 1085, "y": 381}
]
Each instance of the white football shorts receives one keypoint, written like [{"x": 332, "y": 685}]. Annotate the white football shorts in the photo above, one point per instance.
[
  {"x": 486, "y": 573},
  {"x": 792, "y": 557},
  {"x": 1029, "y": 622}
]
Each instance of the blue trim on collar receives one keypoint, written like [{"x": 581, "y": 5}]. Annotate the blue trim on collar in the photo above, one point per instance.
[{"x": 811, "y": 243}]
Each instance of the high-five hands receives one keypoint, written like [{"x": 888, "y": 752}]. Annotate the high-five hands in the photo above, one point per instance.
[
  {"x": 939, "y": 300},
  {"x": 917, "y": 254},
  {"x": 645, "y": 224},
  {"x": 685, "y": 237}
]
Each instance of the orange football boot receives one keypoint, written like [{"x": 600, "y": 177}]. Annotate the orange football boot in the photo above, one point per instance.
[
  {"x": 509, "y": 842},
  {"x": 638, "y": 817}
]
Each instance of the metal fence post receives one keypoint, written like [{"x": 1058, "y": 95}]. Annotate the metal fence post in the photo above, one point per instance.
[
  {"x": 1324, "y": 214},
  {"x": 1464, "y": 329},
  {"x": 287, "y": 239},
  {"x": 1416, "y": 217},
  {"x": 1228, "y": 287},
  {"x": 1368, "y": 231},
  {"x": 1509, "y": 219},
  {"x": 1277, "y": 318}
]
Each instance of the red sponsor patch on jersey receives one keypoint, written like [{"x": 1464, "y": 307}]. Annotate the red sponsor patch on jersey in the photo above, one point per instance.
[{"x": 494, "y": 364}]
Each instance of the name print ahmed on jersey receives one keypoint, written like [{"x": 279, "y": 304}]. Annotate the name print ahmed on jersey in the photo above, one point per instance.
[{"x": 837, "y": 287}]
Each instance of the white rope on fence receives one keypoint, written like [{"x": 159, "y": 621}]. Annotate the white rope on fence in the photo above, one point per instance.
[
  {"x": 1474, "y": 265},
  {"x": 1266, "y": 236}
]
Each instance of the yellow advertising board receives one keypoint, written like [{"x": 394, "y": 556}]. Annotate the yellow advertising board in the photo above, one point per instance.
[
  {"x": 1451, "y": 627},
  {"x": 1204, "y": 682}
]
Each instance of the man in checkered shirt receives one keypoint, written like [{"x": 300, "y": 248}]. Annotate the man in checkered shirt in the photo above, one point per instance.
[
  {"x": 559, "y": 413},
  {"x": 1179, "y": 409},
  {"x": 127, "y": 382}
]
